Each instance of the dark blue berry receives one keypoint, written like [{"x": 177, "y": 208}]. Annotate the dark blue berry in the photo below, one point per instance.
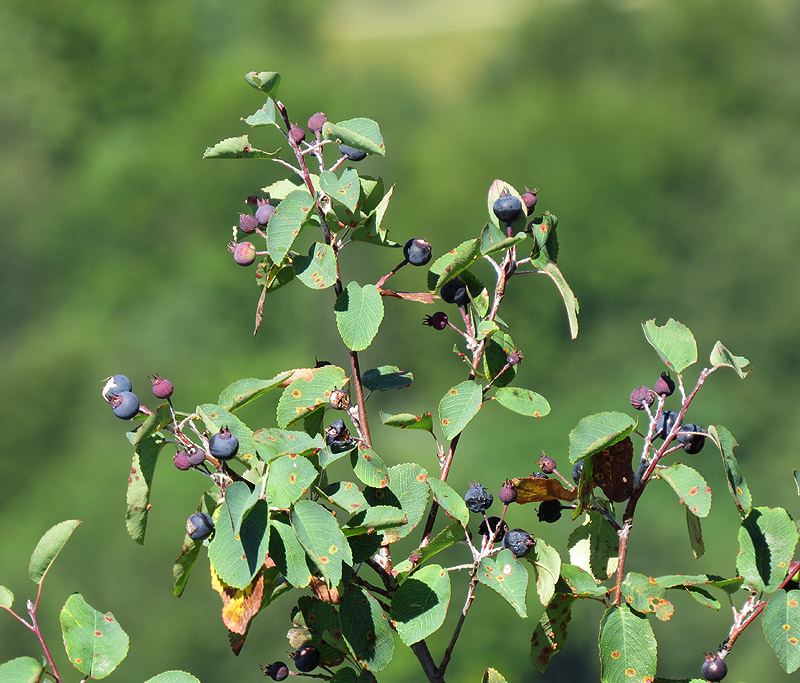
[
  {"x": 518, "y": 541},
  {"x": 116, "y": 385},
  {"x": 664, "y": 385},
  {"x": 337, "y": 435},
  {"x": 162, "y": 388},
  {"x": 351, "y": 153},
  {"x": 507, "y": 207},
  {"x": 277, "y": 671},
  {"x": 692, "y": 443},
  {"x": 264, "y": 212},
  {"x": 714, "y": 668},
  {"x": 493, "y": 522},
  {"x": 195, "y": 456},
  {"x": 223, "y": 445},
  {"x": 665, "y": 423},
  {"x": 455, "y": 292},
  {"x": 417, "y": 251},
  {"x": 125, "y": 405},
  {"x": 199, "y": 526},
  {"x": 438, "y": 321},
  {"x": 549, "y": 511},
  {"x": 577, "y": 470},
  {"x": 306, "y": 658},
  {"x": 477, "y": 498}
]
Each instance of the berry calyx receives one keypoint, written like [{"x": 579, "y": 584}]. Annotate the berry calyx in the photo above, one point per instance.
[
  {"x": 548, "y": 465},
  {"x": 199, "y": 526},
  {"x": 478, "y": 498},
  {"x": 223, "y": 445},
  {"x": 507, "y": 207},
  {"x": 454, "y": 292},
  {"x": 306, "y": 658},
  {"x": 665, "y": 423},
  {"x": 264, "y": 211},
  {"x": 244, "y": 253},
  {"x": 247, "y": 222},
  {"x": 417, "y": 251},
  {"x": 316, "y": 121},
  {"x": 518, "y": 541},
  {"x": 489, "y": 531},
  {"x": 297, "y": 134},
  {"x": 438, "y": 321},
  {"x": 642, "y": 397},
  {"x": 277, "y": 671},
  {"x": 352, "y": 154},
  {"x": 664, "y": 385},
  {"x": 529, "y": 200},
  {"x": 549, "y": 511},
  {"x": 125, "y": 405},
  {"x": 181, "y": 461},
  {"x": 508, "y": 494},
  {"x": 162, "y": 388},
  {"x": 714, "y": 668},
  {"x": 692, "y": 442}
]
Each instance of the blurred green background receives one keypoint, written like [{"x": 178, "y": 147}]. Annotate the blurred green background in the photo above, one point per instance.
[{"x": 664, "y": 135}]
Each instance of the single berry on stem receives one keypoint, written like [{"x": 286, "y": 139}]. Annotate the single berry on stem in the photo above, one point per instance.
[
  {"x": 692, "y": 442},
  {"x": 264, "y": 211},
  {"x": 162, "y": 388},
  {"x": 316, "y": 122},
  {"x": 297, "y": 134},
  {"x": 508, "y": 494},
  {"x": 549, "y": 511},
  {"x": 223, "y": 445},
  {"x": 529, "y": 200},
  {"x": 306, "y": 658},
  {"x": 454, "y": 292},
  {"x": 181, "y": 461},
  {"x": 277, "y": 671},
  {"x": 199, "y": 526},
  {"x": 352, "y": 154},
  {"x": 477, "y": 498},
  {"x": 438, "y": 321},
  {"x": 125, "y": 405},
  {"x": 642, "y": 397},
  {"x": 507, "y": 207},
  {"x": 548, "y": 465},
  {"x": 518, "y": 541},
  {"x": 248, "y": 223},
  {"x": 417, "y": 251},
  {"x": 664, "y": 385},
  {"x": 714, "y": 668},
  {"x": 514, "y": 358},
  {"x": 244, "y": 253}
]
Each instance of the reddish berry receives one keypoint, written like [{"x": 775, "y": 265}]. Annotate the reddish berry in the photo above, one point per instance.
[
  {"x": 641, "y": 397},
  {"x": 264, "y": 211},
  {"x": 181, "y": 460},
  {"x": 162, "y": 388},
  {"x": 508, "y": 494},
  {"x": 247, "y": 222},
  {"x": 297, "y": 134},
  {"x": 514, "y": 358},
  {"x": 316, "y": 122},
  {"x": 529, "y": 200},
  {"x": 664, "y": 385},
  {"x": 548, "y": 465},
  {"x": 244, "y": 253}
]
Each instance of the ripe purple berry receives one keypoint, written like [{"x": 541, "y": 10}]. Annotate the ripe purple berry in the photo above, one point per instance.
[
  {"x": 247, "y": 222},
  {"x": 518, "y": 541},
  {"x": 577, "y": 471},
  {"x": 514, "y": 358},
  {"x": 548, "y": 465},
  {"x": 529, "y": 200},
  {"x": 181, "y": 461},
  {"x": 264, "y": 211},
  {"x": 508, "y": 494},
  {"x": 438, "y": 321},
  {"x": 199, "y": 526},
  {"x": 244, "y": 253},
  {"x": 352, "y": 154},
  {"x": 549, "y": 511},
  {"x": 714, "y": 668},
  {"x": 195, "y": 456},
  {"x": 125, "y": 405},
  {"x": 692, "y": 443},
  {"x": 477, "y": 498},
  {"x": 493, "y": 522},
  {"x": 507, "y": 207},
  {"x": 664, "y": 385},
  {"x": 297, "y": 134},
  {"x": 417, "y": 251},
  {"x": 277, "y": 671},
  {"x": 454, "y": 292},
  {"x": 162, "y": 388},
  {"x": 641, "y": 397},
  {"x": 223, "y": 445},
  {"x": 306, "y": 658},
  {"x": 316, "y": 122}
]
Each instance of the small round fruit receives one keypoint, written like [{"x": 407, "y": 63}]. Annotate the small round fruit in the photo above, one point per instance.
[
  {"x": 642, "y": 397},
  {"x": 245, "y": 253},
  {"x": 514, "y": 358},
  {"x": 352, "y": 154},
  {"x": 454, "y": 292},
  {"x": 692, "y": 443},
  {"x": 518, "y": 541},
  {"x": 477, "y": 498},
  {"x": 339, "y": 400},
  {"x": 247, "y": 222},
  {"x": 316, "y": 122},
  {"x": 438, "y": 321},
  {"x": 277, "y": 671},
  {"x": 508, "y": 494},
  {"x": 162, "y": 388},
  {"x": 665, "y": 423},
  {"x": 337, "y": 434},
  {"x": 493, "y": 522},
  {"x": 529, "y": 200},
  {"x": 297, "y": 134},
  {"x": 223, "y": 445},
  {"x": 714, "y": 668},
  {"x": 306, "y": 658},
  {"x": 548, "y": 465},
  {"x": 264, "y": 211},
  {"x": 181, "y": 461},
  {"x": 195, "y": 456},
  {"x": 116, "y": 384},
  {"x": 199, "y": 526},
  {"x": 507, "y": 207},
  {"x": 549, "y": 511},
  {"x": 577, "y": 470},
  {"x": 125, "y": 405},
  {"x": 664, "y": 385},
  {"x": 417, "y": 251}
]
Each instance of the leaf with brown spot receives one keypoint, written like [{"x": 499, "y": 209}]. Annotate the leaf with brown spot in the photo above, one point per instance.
[
  {"x": 239, "y": 606},
  {"x": 612, "y": 470}
]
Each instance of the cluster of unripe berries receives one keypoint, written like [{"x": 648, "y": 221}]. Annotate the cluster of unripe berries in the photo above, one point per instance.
[
  {"x": 118, "y": 392},
  {"x": 306, "y": 658}
]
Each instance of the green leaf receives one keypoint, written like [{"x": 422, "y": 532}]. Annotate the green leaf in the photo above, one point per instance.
[
  {"x": 318, "y": 269},
  {"x": 318, "y": 532},
  {"x": 408, "y": 421},
  {"x": 21, "y": 670},
  {"x": 451, "y": 502},
  {"x": 287, "y": 553},
  {"x": 346, "y": 495},
  {"x": 550, "y": 633},
  {"x": 627, "y": 647},
  {"x": 236, "y": 148},
  {"x": 495, "y": 359},
  {"x": 153, "y": 423},
  {"x": 304, "y": 396},
  {"x": 721, "y": 356},
  {"x": 781, "y": 622},
  {"x": 409, "y": 490},
  {"x": 692, "y": 489},
  {"x": 288, "y": 480},
  {"x": 359, "y": 133},
  {"x": 450, "y": 264},
  {"x": 386, "y": 377},
  {"x": 645, "y": 594},
  {"x": 493, "y": 239},
  {"x": 703, "y": 597},
  {"x": 548, "y": 568},
  {"x": 373, "y": 231},
  {"x": 140, "y": 483},
  {"x": 545, "y": 248},
  {"x": 578, "y": 582},
  {"x": 444, "y": 539},
  {"x": 366, "y": 629},
  {"x": 767, "y": 539},
  {"x": 369, "y": 467},
  {"x": 173, "y": 677},
  {"x": 265, "y": 81},
  {"x": 241, "y": 392},
  {"x": 594, "y": 547},
  {"x": 419, "y": 605},
  {"x": 674, "y": 342},
  {"x": 216, "y": 418},
  {"x": 344, "y": 190},
  {"x": 695, "y": 534},
  {"x": 736, "y": 481},
  {"x": 285, "y": 223},
  {"x": 374, "y": 518},
  {"x": 506, "y": 575},
  {"x": 597, "y": 432},
  {"x": 263, "y": 116},
  {"x": 6, "y": 597},
  {"x": 459, "y": 405},
  {"x": 272, "y": 443},
  {"x": 359, "y": 312},
  {"x": 49, "y": 547},
  {"x": 523, "y": 401},
  {"x": 570, "y": 302},
  {"x": 492, "y": 676},
  {"x": 95, "y": 642}
]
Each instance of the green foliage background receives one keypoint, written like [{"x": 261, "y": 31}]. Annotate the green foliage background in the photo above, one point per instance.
[{"x": 664, "y": 135}]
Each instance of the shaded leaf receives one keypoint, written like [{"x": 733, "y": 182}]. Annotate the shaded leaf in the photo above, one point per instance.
[
  {"x": 495, "y": 358},
  {"x": 767, "y": 540},
  {"x": 444, "y": 539},
  {"x": 347, "y": 496},
  {"x": 369, "y": 467},
  {"x": 627, "y": 647},
  {"x": 419, "y": 605},
  {"x": 451, "y": 502},
  {"x": 550, "y": 633},
  {"x": 365, "y": 628},
  {"x": 359, "y": 133},
  {"x": 493, "y": 239},
  {"x": 594, "y": 547},
  {"x": 318, "y": 532},
  {"x": 21, "y": 670},
  {"x": 450, "y": 264},
  {"x": 673, "y": 341},
  {"x": 781, "y": 623},
  {"x": 408, "y": 485},
  {"x": 183, "y": 565},
  {"x": 548, "y": 569},
  {"x": 263, "y": 116},
  {"x": 570, "y": 301},
  {"x": 523, "y": 401},
  {"x": 408, "y": 421},
  {"x": 49, "y": 547},
  {"x": 506, "y": 575},
  {"x": 578, "y": 582},
  {"x": 285, "y": 224},
  {"x": 492, "y": 676},
  {"x": 736, "y": 481},
  {"x": 344, "y": 190},
  {"x": 287, "y": 553},
  {"x": 596, "y": 432},
  {"x": 695, "y": 534},
  {"x": 459, "y": 405},
  {"x": 306, "y": 395},
  {"x": 318, "y": 269},
  {"x": 386, "y": 377},
  {"x": 140, "y": 482},
  {"x": 265, "y": 81}
]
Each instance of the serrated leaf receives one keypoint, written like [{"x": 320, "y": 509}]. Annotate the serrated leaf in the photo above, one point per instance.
[
  {"x": 241, "y": 392},
  {"x": 273, "y": 442},
  {"x": 173, "y": 677},
  {"x": 288, "y": 480},
  {"x": 21, "y": 670},
  {"x": 721, "y": 356},
  {"x": 645, "y": 594},
  {"x": 695, "y": 529},
  {"x": 627, "y": 647},
  {"x": 781, "y": 623},
  {"x": 408, "y": 421},
  {"x": 95, "y": 642},
  {"x": 344, "y": 190},
  {"x": 674, "y": 342},
  {"x": 287, "y": 553},
  {"x": 386, "y": 377},
  {"x": 450, "y": 264},
  {"x": 359, "y": 133},
  {"x": 280, "y": 188},
  {"x": 596, "y": 432},
  {"x": 548, "y": 569},
  {"x": 239, "y": 605},
  {"x": 216, "y": 418},
  {"x": 594, "y": 547},
  {"x": 346, "y": 495},
  {"x": 767, "y": 540},
  {"x": 578, "y": 582},
  {"x": 550, "y": 633},
  {"x": 703, "y": 597},
  {"x": 534, "y": 490},
  {"x": 359, "y": 312},
  {"x": 303, "y": 396},
  {"x": 409, "y": 490},
  {"x": 458, "y": 406},
  {"x": 49, "y": 547},
  {"x": 419, "y": 605},
  {"x": 493, "y": 239},
  {"x": 263, "y": 116},
  {"x": 451, "y": 502},
  {"x": 140, "y": 483},
  {"x": 444, "y": 539},
  {"x": 318, "y": 269},
  {"x": 570, "y": 301},
  {"x": 736, "y": 481},
  {"x": 495, "y": 358},
  {"x": 285, "y": 224},
  {"x": 506, "y": 575},
  {"x": 236, "y": 148},
  {"x": 523, "y": 401},
  {"x": 369, "y": 467},
  {"x": 318, "y": 532},
  {"x": 365, "y": 628},
  {"x": 692, "y": 489},
  {"x": 265, "y": 81}
]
